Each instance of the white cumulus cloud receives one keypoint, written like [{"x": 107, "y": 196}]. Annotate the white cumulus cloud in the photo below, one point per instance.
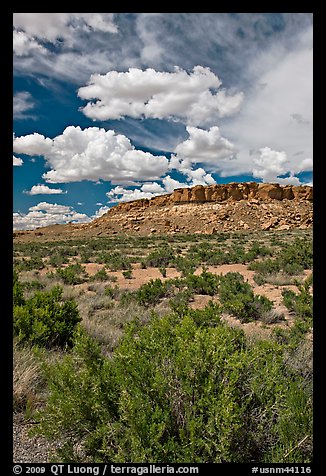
[
  {"x": 32, "y": 144},
  {"x": 41, "y": 189},
  {"x": 207, "y": 147},
  {"x": 101, "y": 211},
  {"x": 92, "y": 154},
  {"x": 269, "y": 164},
  {"x": 44, "y": 214},
  {"x": 278, "y": 110},
  {"x": 191, "y": 98},
  {"x": 17, "y": 161},
  {"x": 150, "y": 190}
]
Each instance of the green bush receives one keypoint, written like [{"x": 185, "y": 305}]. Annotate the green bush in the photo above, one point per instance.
[
  {"x": 178, "y": 390},
  {"x": 115, "y": 261},
  {"x": 163, "y": 272},
  {"x": 300, "y": 303},
  {"x": 35, "y": 262},
  {"x": 257, "y": 250},
  {"x": 267, "y": 266},
  {"x": 299, "y": 253},
  {"x": 33, "y": 285},
  {"x": 238, "y": 298},
  {"x": 127, "y": 274},
  {"x": 163, "y": 257},
  {"x": 100, "y": 275},
  {"x": 71, "y": 274},
  {"x": 58, "y": 259},
  {"x": 150, "y": 293},
  {"x": 185, "y": 265},
  {"x": 111, "y": 292},
  {"x": 45, "y": 319},
  {"x": 18, "y": 290},
  {"x": 205, "y": 283}
]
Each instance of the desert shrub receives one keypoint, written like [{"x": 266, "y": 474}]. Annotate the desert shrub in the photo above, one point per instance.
[
  {"x": 218, "y": 257},
  {"x": 292, "y": 259},
  {"x": 100, "y": 275},
  {"x": 178, "y": 390},
  {"x": 35, "y": 262},
  {"x": 299, "y": 253},
  {"x": 127, "y": 274},
  {"x": 163, "y": 257},
  {"x": 205, "y": 283},
  {"x": 150, "y": 293},
  {"x": 238, "y": 298},
  {"x": 127, "y": 298},
  {"x": 85, "y": 256},
  {"x": 236, "y": 254},
  {"x": 45, "y": 320},
  {"x": 256, "y": 250},
  {"x": 33, "y": 285},
  {"x": 27, "y": 378},
  {"x": 259, "y": 279},
  {"x": 18, "y": 290},
  {"x": 57, "y": 259},
  {"x": 265, "y": 267},
  {"x": 163, "y": 272},
  {"x": 301, "y": 304},
  {"x": 179, "y": 302},
  {"x": 201, "y": 253},
  {"x": 111, "y": 292},
  {"x": 115, "y": 261},
  {"x": 291, "y": 338},
  {"x": 185, "y": 265},
  {"x": 71, "y": 274}
]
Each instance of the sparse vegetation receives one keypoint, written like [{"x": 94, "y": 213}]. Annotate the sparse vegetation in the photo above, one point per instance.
[
  {"x": 44, "y": 319},
  {"x": 238, "y": 298},
  {"x": 208, "y": 397},
  {"x": 143, "y": 371}
]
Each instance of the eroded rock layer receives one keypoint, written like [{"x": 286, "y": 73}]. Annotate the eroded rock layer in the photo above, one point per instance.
[{"x": 200, "y": 209}]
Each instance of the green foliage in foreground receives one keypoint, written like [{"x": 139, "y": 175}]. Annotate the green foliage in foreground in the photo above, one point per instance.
[
  {"x": 44, "y": 319},
  {"x": 179, "y": 389},
  {"x": 300, "y": 303},
  {"x": 238, "y": 298}
]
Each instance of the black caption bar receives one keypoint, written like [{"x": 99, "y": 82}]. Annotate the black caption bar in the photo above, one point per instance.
[{"x": 140, "y": 469}]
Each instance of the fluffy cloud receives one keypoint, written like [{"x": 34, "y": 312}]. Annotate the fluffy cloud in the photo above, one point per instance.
[
  {"x": 17, "y": 161},
  {"x": 44, "y": 190},
  {"x": 101, "y": 211},
  {"x": 120, "y": 194},
  {"x": 53, "y": 26},
  {"x": 92, "y": 154},
  {"x": 44, "y": 214},
  {"x": 278, "y": 111},
  {"x": 150, "y": 190},
  {"x": 198, "y": 177},
  {"x": 32, "y": 144},
  {"x": 191, "y": 98},
  {"x": 203, "y": 146},
  {"x": 22, "y": 102},
  {"x": 270, "y": 164}
]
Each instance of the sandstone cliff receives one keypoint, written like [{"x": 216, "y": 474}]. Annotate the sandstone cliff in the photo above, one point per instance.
[{"x": 200, "y": 209}]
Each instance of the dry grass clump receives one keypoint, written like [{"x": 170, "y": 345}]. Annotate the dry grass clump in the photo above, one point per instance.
[{"x": 27, "y": 378}]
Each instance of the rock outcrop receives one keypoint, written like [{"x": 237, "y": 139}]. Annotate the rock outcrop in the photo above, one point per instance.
[
  {"x": 201, "y": 209},
  {"x": 220, "y": 193}
]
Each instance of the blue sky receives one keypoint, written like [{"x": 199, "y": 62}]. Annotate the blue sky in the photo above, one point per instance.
[{"x": 112, "y": 107}]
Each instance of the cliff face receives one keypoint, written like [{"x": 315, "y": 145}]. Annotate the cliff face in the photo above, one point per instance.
[
  {"x": 221, "y": 193},
  {"x": 228, "y": 207}
]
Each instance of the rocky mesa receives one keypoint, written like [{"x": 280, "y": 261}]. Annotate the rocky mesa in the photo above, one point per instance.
[{"x": 201, "y": 209}]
